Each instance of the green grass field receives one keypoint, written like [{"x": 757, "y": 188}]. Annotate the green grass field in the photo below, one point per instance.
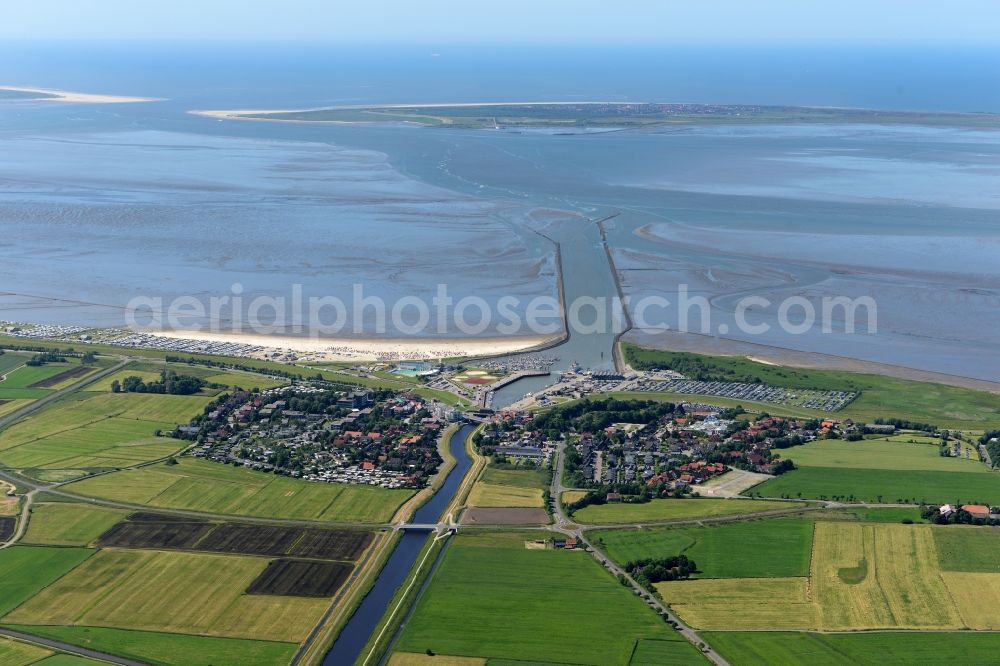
[
  {"x": 521, "y": 478},
  {"x": 173, "y": 592},
  {"x": 968, "y": 548},
  {"x": 66, "y": 524},
  {"x": 97, "y": 431},
  {"x": 665, "y": 653},
  {"x": 198, "y": 485},
  {"x": 879, "y": 485},
  {"x": 673, "y": 509},
  {"x": 879, "y": 454},
  {"x": 501, "y": 487},
  {"x": 167, "y": 649},
  {"x": 24, "y": 570},
  {"x": 10, "y": 360},
  {"x": 493, "y": 598},
  {"x": 783, "y": 648},
  {"x": 945, "y": 406},
  {"x": 25, "y": 376},
  {"x": 22, "y": 393},
  {"x": 872, "y": 515},
  {"x": 488, "y": 495},
  {"x": 751, "y": 549}
]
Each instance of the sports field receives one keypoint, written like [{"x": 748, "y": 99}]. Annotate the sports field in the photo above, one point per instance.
[
  {"x": 68, "y": 524},
  {"x": 862, "y": 576},
  {"x": 751, "y": 549},
  {"x": 172, "y": 592},
  {"x": 170, "y": 649},
  {"x": 493, "y": 598},
  {"x": 673, "y": 509},
  {"x": 198, "y": 485},
  {"x": 891, "y": 648}
]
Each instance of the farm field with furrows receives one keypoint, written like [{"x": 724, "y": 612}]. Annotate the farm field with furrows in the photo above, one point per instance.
[
  {"x": 861, "y": 576},
  {"x": 70, "y": 524},
  {"x": 889, "y": 648},
  {"x": 167, "y": 589},
  {"x": 176, "y": 592},
  {"x": 198, "y": 485},
  {"x": 25, "y": 570},
  {"x": 89, "y": 431},
  {"x": 147, "y": 531}
]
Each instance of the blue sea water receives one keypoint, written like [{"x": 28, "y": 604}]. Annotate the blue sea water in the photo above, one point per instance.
[{"x": 100, "y": 203}]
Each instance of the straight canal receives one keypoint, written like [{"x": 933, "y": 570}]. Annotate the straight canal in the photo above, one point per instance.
[{"x": 352, "y": 639}]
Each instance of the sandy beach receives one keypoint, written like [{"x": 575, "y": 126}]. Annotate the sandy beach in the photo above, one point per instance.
[
  {"x": 47, "y": 95},
  {"x": 370, "y": 349}
]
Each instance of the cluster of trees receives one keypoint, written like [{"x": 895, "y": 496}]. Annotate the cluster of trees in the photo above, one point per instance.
[
  {"x": 991, "y": 440},
  {"x": 592, "y": 497},
  {"x": 785, "y": 465},
  {"x": 656, "y": 570},
  {"x": 170, "y": 384},
  {"x": 45, "y": 357},
  {"x": 903, "y": 424},
  {"x": 689, "y": 365},
  {"x": 593, "y": 415}
]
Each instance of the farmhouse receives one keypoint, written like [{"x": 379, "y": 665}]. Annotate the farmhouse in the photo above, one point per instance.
[{"x": 977, "y": 510}]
